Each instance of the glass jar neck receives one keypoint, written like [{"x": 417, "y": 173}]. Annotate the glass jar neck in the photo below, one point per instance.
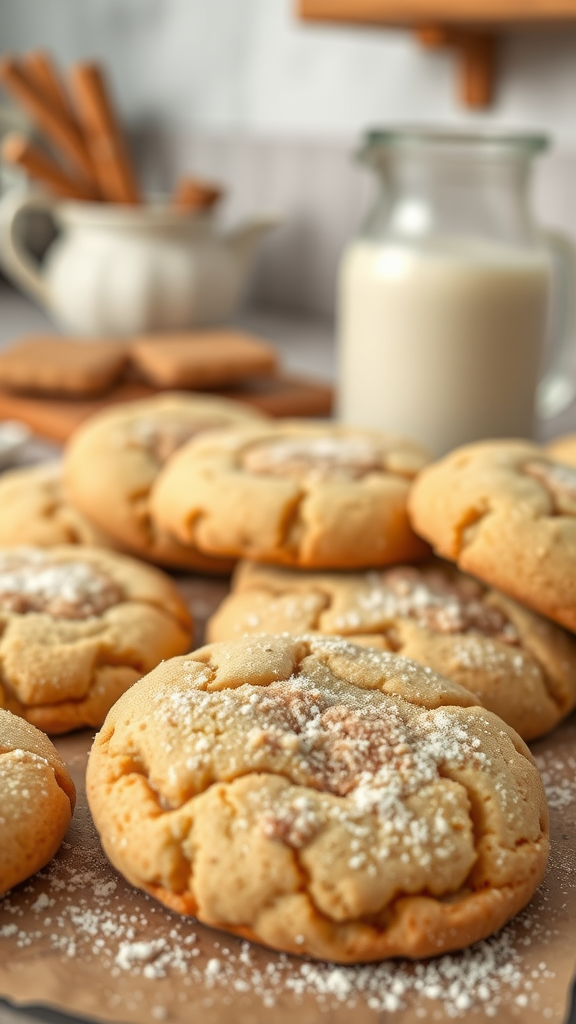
[{"x": 438, "y": 187}]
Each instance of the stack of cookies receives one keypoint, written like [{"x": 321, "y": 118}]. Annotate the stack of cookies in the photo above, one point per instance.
[
  {"x": 342, "y": 772},
  {"x": 80, "y": 619},
  {"x": 78, "y": 626},
  {"x": 389, "y": 809},
  {"x": 493, "y": 642}
]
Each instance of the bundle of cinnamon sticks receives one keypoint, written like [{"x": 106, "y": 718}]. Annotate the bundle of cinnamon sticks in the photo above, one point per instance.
[{"x": 88, "y": 156}]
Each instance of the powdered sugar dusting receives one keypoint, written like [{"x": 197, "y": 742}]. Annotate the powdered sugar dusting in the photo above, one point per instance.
[
  {"x": 316, "y": 458},
  {"x": 79, "y": 910},
  {"x": 370, "y": 750},
  {"x": 432, "y": 598},
  {"x": 33, "y": 581},
  {"x": 339, "y": 739},
  {"x": 22, "y": 780}
]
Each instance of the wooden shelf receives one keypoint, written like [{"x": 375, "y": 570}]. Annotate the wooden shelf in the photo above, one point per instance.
[
  {"x": 481, "y": 13},
  {"x": 469, "y": 27}
]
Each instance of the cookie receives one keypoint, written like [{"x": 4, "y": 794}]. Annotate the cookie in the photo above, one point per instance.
[
  {"x": 202, "y": 359},
  {"x": 112, "y": 462},
  {"x": 563, "y": 449},
  {"x": 519, "y": 665},
  {"x": 320, "y": 798},
  {"x": 34, "y": 509},
  {"x": 78, "y": 626},
  {"x": 505, "y": 512},
  {"x": 37, "y": 798},
  {"x": 294, "y": 493},
  {"x": 44, "y": 364}
]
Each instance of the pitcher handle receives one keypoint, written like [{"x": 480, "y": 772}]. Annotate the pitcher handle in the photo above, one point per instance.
[
  {"x": 557, "y": 387},
  {"x": 15, "y": 256}
]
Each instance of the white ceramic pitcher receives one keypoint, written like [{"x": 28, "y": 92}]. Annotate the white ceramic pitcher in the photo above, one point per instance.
[{"x": 123, "y": 270}]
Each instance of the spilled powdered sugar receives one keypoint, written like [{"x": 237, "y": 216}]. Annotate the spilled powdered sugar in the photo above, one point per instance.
[
  {"x": 81, "y": 911},
  {"x": 33, "y": 581},
  {"x": 140, "y": 957},
  {"x": 559, "y": 778}
]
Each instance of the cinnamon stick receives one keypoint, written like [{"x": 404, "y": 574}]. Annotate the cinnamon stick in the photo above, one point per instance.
[
  {"x": 20, "y": 151},
  {"x": 59, "y": 131},
  {"x": 103, "y": 135},
  {"x": 191, "y": 194},
  {"x": 40, "y": 69}
]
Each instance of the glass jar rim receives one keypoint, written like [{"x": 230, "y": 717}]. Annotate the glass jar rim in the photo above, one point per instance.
[{"x": 494, "y": 143}]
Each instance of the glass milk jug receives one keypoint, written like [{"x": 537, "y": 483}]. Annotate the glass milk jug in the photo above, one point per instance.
[{"x": 443, "y": 299}]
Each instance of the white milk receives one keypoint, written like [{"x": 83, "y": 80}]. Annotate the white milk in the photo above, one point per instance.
[{"x": 441, "y": 345}]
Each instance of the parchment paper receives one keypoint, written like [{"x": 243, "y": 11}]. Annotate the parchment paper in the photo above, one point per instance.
[{"x": 78, "y": 938}]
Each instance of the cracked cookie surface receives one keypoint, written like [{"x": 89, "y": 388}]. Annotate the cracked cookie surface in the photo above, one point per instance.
[
  {"x": 321, "y": 798},
  {"x": 519, "y": 665},
  {"x": 35, "y": 509},
  {"x": 78, "y": 626},
  {"x": 294, "y": 493},
  {"x": 120, "y": 451},
  {"x": 37, "y": 799},
  {"x": 505, "y": 512}
]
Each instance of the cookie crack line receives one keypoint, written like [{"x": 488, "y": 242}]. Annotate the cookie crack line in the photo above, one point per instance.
[
  {"x": 482, "y": 833},
  {"x": 375, "y": 921},
  {"x": 548, "y": 685},
  {"x": 291, "y": 520},
  {"x": 468, "y": 522},
  {"x": 527, "y": 649},
  {"x": 192, "y": 523},
  {"x": 70, "y": 701}
]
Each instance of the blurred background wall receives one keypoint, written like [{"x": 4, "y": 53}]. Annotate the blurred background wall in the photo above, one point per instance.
[{"x": 242, "y": 91}]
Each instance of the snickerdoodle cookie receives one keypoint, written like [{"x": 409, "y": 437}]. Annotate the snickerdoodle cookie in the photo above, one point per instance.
[
  {"x": 320, "y": 798},
  {"x": 113, "y": 459},
  {"x": 506, "y": 512},
  {"x": 294, "y": 492},
  {"x": 78, "y": 626},
  {"x": 519, "y": 665},
  {"x": 34, "y": 509},
  {"x": 37, "y": 799}
]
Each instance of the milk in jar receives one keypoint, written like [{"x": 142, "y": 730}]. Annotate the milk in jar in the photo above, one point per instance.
[
  {"x": 443, "y": 298},
  {"x": 442, "y": 343}
]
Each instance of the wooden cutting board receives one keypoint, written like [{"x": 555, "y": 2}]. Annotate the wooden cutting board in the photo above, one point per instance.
[{"x": 57, "y": 418}]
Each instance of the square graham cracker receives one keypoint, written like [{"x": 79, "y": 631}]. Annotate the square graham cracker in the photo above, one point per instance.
[
  {"x": 47, "y": 365},
  {"x": 202, "y": 359}
]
